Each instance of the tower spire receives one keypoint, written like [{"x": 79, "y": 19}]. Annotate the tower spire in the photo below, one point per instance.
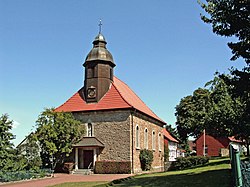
[{"x": 100, "y": 26}]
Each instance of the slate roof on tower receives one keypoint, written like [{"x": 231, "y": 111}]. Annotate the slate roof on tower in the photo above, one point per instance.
[{"x": 119, "y": 96}]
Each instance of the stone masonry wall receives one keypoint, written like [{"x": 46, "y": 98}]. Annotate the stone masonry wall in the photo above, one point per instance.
[
  {"x": 144, "y": 122},
  {"x": 112, "y": 128}
]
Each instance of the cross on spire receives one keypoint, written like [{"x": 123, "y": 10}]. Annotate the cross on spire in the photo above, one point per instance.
[{"x": 100, "y": 26}]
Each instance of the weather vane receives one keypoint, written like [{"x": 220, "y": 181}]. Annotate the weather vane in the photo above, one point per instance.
[{"x": 100, "y": 26}]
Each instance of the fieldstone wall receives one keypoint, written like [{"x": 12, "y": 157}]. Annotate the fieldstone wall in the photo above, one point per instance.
[
  {"x": 144, "y": 122},
  {"x": 112, "y": 128}
]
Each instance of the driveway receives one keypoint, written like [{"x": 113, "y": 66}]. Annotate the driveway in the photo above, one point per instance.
[{"x": 62, "y": 178}]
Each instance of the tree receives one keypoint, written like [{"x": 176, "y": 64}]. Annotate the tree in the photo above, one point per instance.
[
  {"x": 231, "y": 18},
  {"x": 29, "y": 153},
  {"x": 56, "y": 132},
  {"x": 213, "y": 109},
  {"x": 240, "y": 86},
  {"x": 191, "y": 114},
  {"x": 6, "y": 147}
]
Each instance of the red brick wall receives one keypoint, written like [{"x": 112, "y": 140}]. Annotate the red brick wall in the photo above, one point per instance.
[{"x": 214, "y": 145}]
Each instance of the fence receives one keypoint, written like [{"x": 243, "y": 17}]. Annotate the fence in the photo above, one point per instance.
[{"x": 240, "y": 169}]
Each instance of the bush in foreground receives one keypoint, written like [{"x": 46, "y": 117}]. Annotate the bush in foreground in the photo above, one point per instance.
[{"x": 188, "y": 162}]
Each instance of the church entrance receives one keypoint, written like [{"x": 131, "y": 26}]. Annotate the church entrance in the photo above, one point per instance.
[
  {"x": 85, "y": 159},
  {"x": 88, "y": 159}
]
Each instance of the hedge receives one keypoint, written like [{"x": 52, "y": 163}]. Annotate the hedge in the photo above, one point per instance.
[
  {"x": 22, "y": 175},
  {"x": 188, "y": 162},
  {"x": 112, "y": 167}
]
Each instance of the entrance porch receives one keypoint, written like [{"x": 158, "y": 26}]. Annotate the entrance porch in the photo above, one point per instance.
[{"x": 86, "y": 153}]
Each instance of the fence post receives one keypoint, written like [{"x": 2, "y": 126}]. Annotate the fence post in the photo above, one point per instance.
[{"x": 235, "y": 164}]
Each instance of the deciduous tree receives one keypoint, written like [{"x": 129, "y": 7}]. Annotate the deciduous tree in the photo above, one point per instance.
[{"x": 56, "y": 132}]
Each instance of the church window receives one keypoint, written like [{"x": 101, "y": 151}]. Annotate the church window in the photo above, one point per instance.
[
  {"x": 137, "y": 137},
  {"x": 90, "y": 130},
  {"x": 153, "y": 140},
  {"x": 159, "y": 141},
  {"x": 111, "y": 73},
  {"x": 146, "y": 139}
]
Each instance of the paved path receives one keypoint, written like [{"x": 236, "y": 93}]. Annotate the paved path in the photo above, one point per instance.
[{"x": 62, "y": 178}]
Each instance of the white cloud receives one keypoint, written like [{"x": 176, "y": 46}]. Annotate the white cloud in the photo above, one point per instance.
[{"x": 15, "y": 124}]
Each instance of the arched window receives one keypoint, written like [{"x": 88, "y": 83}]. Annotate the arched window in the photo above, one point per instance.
[
  {"x": 90, "y": 130},
  {"x": 146, "y": 138},
  {"x": 137, "y": 137},
  {"x": 153, "y": 140},
  {"x": 159, "y": 141}
]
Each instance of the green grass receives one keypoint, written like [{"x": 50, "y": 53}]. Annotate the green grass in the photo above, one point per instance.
[
  {"x": 215, "y": 174},
  {"x": 81, "y": 184}
]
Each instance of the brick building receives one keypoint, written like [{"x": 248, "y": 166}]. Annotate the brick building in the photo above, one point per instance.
[
  {"x": 118, "y": 123},
  {"x": 214, "y": 146}
]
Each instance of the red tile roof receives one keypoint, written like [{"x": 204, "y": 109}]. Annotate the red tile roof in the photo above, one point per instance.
[
  {"x": 169, "y": 136},
  {"x": 119, "y": 96}
]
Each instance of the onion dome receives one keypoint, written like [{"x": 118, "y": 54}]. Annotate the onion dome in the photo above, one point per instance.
[{"x": 99, "y": 51}]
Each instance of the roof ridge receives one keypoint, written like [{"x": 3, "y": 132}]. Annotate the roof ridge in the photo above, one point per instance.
[{"x": 138, "y": 98}]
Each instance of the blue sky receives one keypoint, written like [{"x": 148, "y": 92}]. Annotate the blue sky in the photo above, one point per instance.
[{"x": 162, "y": 50}]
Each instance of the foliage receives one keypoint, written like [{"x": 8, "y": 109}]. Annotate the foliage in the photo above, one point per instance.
[
  {"x": 240, "y": 88},
  {"x": 112, "y": 167},
  {"x": 231, "y": 18},
  {"x": 21, "y": 175},
  {"x": 7, "y": 152},
  {"x": 29, "y": 152},
  {"x": 56, "y": 132},
  {"x": 172, "y": 131},
  {"x": 213, "y": 109},
  {"x": 188, "y": 162},
  {"x": 146, "y": 159},
  {"x": 245, "y": 166}
]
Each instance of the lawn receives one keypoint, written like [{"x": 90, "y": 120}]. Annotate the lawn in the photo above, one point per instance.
[{"x": 215, "y": 174}]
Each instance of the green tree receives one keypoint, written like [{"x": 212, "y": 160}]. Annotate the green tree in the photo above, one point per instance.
[
  {"x": 213, "y": 109},
  {"x": 7, "y": 152},
  {"x": 29, "y": 153},
  {"x": 191, "y": 114},
  {"x": 230, "y": 18},
  {"x": 239, "y": 83},
  {"x": 56, "y": 132}
]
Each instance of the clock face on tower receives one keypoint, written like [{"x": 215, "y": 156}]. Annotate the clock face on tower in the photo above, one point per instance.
[{"x": 91, "y": 92}]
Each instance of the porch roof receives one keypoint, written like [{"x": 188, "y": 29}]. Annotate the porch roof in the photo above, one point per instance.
[{"x": 89, "y": 142}]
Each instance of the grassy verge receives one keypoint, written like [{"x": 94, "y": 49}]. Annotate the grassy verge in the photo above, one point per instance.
[{"x": 215, "y": 174}]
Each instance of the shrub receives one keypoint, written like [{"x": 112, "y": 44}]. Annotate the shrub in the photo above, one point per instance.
[
  {"x": 146, "y": 159},
  {"x": 112, "y": 167},
  {"x": 21, "y": 175},
  {"x": 188, "y": 162}
]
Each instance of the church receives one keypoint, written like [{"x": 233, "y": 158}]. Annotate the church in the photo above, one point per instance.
[{"x": 118, "y": 123}]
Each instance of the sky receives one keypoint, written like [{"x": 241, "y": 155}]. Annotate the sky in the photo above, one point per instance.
[{"x": 162, "y": 50}]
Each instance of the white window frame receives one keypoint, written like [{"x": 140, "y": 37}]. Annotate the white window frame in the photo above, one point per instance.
[
  {"x": 153, "y": 140},
  {"x": 92, "y": 130},
  {"x": 159, "y": 141}
]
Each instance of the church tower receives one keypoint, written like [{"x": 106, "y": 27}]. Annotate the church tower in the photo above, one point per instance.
[{"x": 99, "y": 66}]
